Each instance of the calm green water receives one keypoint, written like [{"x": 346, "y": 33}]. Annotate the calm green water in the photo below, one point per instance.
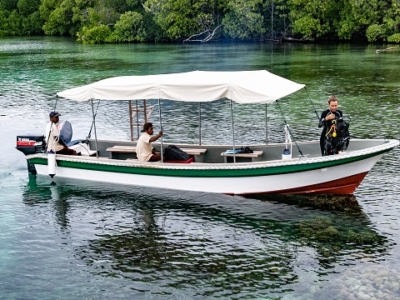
[{"x": 82, "y": 240}]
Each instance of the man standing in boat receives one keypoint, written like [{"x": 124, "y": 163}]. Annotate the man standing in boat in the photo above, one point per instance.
[
  {"x": 53, "y": 140},
  {"x": 328, "y": 121},
  {"x": 144, "y": 149}
]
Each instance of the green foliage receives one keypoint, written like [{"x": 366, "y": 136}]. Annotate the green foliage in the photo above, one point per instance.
[
  {"x": 175, "y": 18},
  {"x": 308, "y": 27},
  {"x": 101, "y": 14},
  {"x": 94, "y": 35},
  {"x": 14, "y": 22},
  {"x": 129, "y": 28},
  {"x": 359, "y": 18},
  {"x": 3, "y": 19},
  {"x": 394, "y": 38},
  {"x": 366, "y": 12},
  {"x": 153, "y": 31},
  {"x": 205, "y": 16},
  {"x": 27, "y": 7},
  {"x": 178, "y": 20},
  {"x": 347, "y": 24},
  {"x": 8, "y": 4},
  {"x": 31, "y": 24},
  {"x": 60, "y": 20},
  {"x": 375, "y": 33},
  {"x": 281, "y": 18},
  {"x": 243, "y": 19},
  {"x": 314, "y": 19},
  {"x": 4, "y": 26},
  {"x": 46, "y": 8},
  {"x": 391, "y": 20}
]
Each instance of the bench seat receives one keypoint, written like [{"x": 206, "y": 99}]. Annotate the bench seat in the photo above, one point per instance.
[
  {"x": 132, "y": 149},
  {"x": 122, "y": 149},
  {"x": 255, "y": 156},
  {"x": 121, "y": 152},
  {"x": 195, "y": 152}
]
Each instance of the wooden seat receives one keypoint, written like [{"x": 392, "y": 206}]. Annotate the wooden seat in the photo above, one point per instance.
[
  {"x": 132, "y": 149},
  {"x": 122, "y": 149},
  {"x": 195, "y": 152},
  {"x": 199, "y": 153},
  {"x": 243, "y": 157}
]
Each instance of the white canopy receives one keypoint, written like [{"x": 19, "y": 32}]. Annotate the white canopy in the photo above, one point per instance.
[{"x": 198, "y": 86}]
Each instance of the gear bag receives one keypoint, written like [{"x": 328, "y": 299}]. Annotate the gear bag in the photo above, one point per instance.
[{"x": 172, "y": 152}]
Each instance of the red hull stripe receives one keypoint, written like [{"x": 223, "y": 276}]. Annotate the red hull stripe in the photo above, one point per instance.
[{"x": 343, "y": 186}]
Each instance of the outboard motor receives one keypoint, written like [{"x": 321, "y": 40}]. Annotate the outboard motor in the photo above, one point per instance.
[{"x": 31, "y": 144}]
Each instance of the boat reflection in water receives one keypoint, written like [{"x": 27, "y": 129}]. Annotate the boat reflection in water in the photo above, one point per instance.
[
  {"x": 345, "y": 203},
  {"x": 213, "y": 243}
]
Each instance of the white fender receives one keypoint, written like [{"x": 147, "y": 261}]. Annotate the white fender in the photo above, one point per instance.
[
  {"x": 51, "y": 163},
  {"x": 287, "y": 153}
]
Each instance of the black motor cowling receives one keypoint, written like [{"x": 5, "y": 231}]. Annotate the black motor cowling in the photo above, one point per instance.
[{"x": 31, "y": 144}]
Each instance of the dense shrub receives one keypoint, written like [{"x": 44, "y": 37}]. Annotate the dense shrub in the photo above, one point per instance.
[
  {"x": 94, "y": 35},
  {"x": 375, "y": 33},
  {"x": 394, "y": 38}
]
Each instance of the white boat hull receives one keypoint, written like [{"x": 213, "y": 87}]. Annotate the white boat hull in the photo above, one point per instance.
[{"x": 341, "y": 179}]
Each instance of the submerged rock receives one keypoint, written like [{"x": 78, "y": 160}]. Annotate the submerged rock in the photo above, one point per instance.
[{"x": 372, "y": 282}]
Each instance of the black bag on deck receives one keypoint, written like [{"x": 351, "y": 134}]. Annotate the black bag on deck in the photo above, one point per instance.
[{"x": 172, "y": 152}]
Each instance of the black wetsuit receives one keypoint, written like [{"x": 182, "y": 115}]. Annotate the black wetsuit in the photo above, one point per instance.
[{"x": 327, "y": 125}]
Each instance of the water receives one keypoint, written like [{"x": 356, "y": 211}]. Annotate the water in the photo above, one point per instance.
[{"x": 84, "y": 240}]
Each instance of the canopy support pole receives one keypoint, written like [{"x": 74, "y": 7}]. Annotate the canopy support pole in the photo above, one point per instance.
[
  {"x": 130, "y": 118},
  {"x": 91, "y": 126},
  {"x": 233, "y": 133},
  {"x": 161, "y": 140},
  {"x": 266, "y": 123},
  {"x": 137, "y": 119},
  {"x": 199, "y": 123},
  {"x": 94, "y": 126}
]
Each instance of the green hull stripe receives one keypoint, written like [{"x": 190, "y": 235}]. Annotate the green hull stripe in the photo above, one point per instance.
[{"x": 273, "y": 170}]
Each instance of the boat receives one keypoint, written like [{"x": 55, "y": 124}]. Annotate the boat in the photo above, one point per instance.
[{"x": 266, "y": 169}]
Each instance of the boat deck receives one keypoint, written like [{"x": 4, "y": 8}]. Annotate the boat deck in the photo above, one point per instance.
[
  {"x": 203, "y": 154},
  {"x": 120, "y": 151}
]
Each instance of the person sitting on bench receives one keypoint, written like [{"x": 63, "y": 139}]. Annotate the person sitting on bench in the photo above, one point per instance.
[
  {"x": 144, "y": 149},
  {"x": 53, "y": 140}
]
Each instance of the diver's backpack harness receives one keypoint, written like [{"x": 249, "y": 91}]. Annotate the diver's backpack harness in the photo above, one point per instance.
[{"x": 337, "y": 138}]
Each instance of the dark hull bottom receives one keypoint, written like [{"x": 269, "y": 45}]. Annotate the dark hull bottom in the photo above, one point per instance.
[{"x": 343, "y": 186}]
